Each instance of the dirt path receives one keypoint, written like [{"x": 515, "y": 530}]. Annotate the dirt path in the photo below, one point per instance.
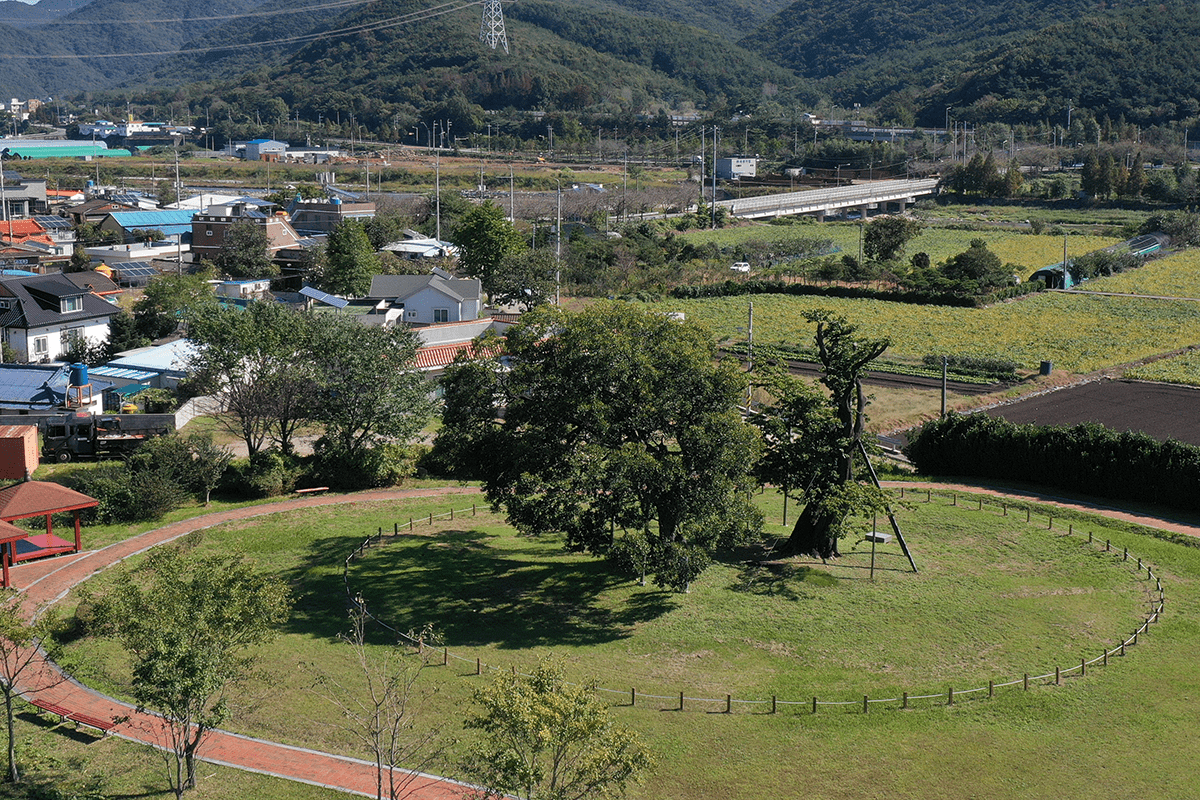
[{"x": 44, "y": 583}]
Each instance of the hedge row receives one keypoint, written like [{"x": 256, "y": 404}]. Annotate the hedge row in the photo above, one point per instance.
[
  {"x": 737, "y": 288},
  {"x": 1088, "y": 458}
]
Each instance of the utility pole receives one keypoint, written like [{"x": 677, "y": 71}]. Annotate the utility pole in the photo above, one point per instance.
[
  {"x": 714, "y": 178},
  {"x": 558, "y": 244},
  {"x": 512, "y": 214},
  {"x": 437, "y": 192}
]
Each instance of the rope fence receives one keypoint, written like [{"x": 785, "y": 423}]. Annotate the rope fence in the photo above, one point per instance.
[{"x": 682, "y": 702}]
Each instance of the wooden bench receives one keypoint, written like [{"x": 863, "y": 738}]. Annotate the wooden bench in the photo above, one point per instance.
[
  {"x": 78, "y": 717},
  {"x": 50, "y": 708},
  {"x": 313, "y": 490},
  {"x": 102, "y": 725}
]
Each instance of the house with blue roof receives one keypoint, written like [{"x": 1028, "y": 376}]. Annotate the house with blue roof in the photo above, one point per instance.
[
  {"x": 175, "y": 224},
  {"x": 42, "y": 389}
]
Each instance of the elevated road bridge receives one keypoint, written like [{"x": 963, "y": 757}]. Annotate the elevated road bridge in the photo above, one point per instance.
[{"x": 861, "y": 197}]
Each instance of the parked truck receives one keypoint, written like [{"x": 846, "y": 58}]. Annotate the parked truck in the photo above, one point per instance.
[{"x": 82, "y": 434}]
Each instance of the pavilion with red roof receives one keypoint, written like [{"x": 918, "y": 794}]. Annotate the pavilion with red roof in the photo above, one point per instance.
[{"x": 37, "y": 499}]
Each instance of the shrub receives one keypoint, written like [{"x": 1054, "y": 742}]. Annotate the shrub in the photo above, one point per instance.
[{"x": 384, "y": 464}]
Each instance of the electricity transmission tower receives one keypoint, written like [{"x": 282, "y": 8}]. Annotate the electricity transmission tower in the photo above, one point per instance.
[{"x": 491, "y": 31}]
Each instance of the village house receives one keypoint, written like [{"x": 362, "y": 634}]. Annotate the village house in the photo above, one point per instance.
[{"x": 40, "y": 315}]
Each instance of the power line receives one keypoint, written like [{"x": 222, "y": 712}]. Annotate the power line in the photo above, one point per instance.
[
  {"x": 392, "y": 22},
  {"x": 124, "y": 22}
]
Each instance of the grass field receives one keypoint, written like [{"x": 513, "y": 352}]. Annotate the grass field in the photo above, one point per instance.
[
  {"x": 1020, "y": 248},
  {"x": 1077, "y": 333},
  {"x": 995, "y": 597},
  {"x": 1183, "y": 368}
]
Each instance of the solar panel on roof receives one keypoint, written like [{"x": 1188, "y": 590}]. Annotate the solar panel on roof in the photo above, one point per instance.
[
  {"x": 126, "y": 271},
  {"x": 58, "y": 223},
  {"x": 322, "y": 297}
]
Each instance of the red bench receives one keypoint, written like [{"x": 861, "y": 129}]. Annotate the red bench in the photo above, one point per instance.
[
  {"x": 78, "y": 717},
  {"x": 102, "y": 725}
]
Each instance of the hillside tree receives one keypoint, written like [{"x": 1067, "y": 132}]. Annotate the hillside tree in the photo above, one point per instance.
[
  {"x": 485, "y": 237},
  {"x": 350, "y": 261}
]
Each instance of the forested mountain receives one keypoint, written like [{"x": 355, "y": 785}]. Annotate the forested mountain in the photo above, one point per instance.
[
  {"x": 139, "y": 34},
  {"x": 1008, "y": 61},
  {"x": 563, "y": 57},
  {"x": 23, "y": 15}
]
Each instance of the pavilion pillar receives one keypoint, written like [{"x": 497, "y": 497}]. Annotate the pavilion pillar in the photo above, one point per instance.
[
  {"x": 78, "y": 541},
  {"x": 49, "y": 529},
  {"x": 6, "y": 548}
]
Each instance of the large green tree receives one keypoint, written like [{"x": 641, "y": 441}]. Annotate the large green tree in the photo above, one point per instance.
[
  {"x": 350, "y": 261},
  {"x": 547, "y": 739},
  {"x": 245, "y": 252},
  {"x": 813, "y": 439},
  {"x": 189, "y": 622},
  {"x": 260, "y": 362},
  {"x": 485, "y": 237},
  {"x": 618, "y": 426},
  {"x": 369, "y": 389},
  {"x": 167, "y": 301},
  {"x": 885, "y": 237}
]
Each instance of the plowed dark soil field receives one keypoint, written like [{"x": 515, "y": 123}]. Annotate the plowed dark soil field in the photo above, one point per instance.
[{"x": 1160, "y": 410}]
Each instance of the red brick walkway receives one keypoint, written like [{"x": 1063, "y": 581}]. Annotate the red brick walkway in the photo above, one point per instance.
[{"x": 46, "y": 582}]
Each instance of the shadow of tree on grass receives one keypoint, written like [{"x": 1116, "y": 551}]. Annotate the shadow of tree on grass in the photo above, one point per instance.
[{"x": 476, "y": 592}]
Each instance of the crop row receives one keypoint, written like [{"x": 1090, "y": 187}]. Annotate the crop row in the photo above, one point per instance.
[
  {"x": 1080, "y": 333},
  {"x": 1184, "y": 368},
  {"x": 1176, "y": 275}
]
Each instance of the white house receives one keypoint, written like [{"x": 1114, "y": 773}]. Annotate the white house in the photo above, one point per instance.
[
  {"x": 729, "y": 169},
  {"x": 429, "y": 299},
  {"x": 39, "y": 316}
]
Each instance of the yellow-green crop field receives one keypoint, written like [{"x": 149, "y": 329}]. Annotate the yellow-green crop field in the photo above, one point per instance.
[
  {"x": 1079, "y": 333},
  {"x": 1176, "y": 275},
  {"x": 1023, "y": 249},
  {"x": 1184, "y": 368}
]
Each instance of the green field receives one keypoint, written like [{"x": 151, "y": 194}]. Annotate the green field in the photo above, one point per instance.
[
  {"x": 1176, "y": 275},
  {"x": 1078, "y": 333},
  {"x": 1019, "y": 248},
  {"x": 995, "y": 597},
  {"x": 1183, "y": 368}
]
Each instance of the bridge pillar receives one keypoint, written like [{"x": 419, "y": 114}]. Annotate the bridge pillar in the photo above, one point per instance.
[
  {"x": 821, "y": 215},
  {"x": 863, "y": 210},
  {"x": 903, "y": 205}
]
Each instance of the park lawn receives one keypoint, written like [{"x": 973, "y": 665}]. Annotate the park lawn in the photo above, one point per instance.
[
  {"x": 995, "y": 597},
  {"x": 1078, "y": 333}
]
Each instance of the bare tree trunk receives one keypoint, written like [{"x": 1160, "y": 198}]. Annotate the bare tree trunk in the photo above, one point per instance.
[{"x": 13, "y": 775}]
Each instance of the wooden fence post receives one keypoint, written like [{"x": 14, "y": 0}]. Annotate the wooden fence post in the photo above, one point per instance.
[
  {"x": 478, "y": 666},
  {"x": 981, "y": 504},
  {"x": 445, "y": 656},
  {"x": 395, "y": 529},
  {"x": 774, "y": 703},
  {"x": 904, "y": 701},
  {"x": 814, "y": 705},
  {"x": 1082, "y": 667},
  {"x": 865, "y": 704},
  {"x": 1027, "y": 515},
  {"x": 991, "y": 688},
  {"x": 430, "y": 517},
  {"x": 1004, "y": 508},
  {"x": 1125, "y": 555},
  {"x": 1057, "y": 676},
  {"x": 681, "y": 701},
  {"x": 452, "y": 515},
  {"x": 632, "y": 696},
  {"x": 954, "y": 499},
  {"x": 410, "y": 524},
  {"x": 950, "y": 697},
  {"x": 1027, "y": 681},
  {"x": 728, "y": 703},
  {"x": 928, "y": 495},
  {"x": 1107, "y": 545},
  {"x": 472, "y": 509}
]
